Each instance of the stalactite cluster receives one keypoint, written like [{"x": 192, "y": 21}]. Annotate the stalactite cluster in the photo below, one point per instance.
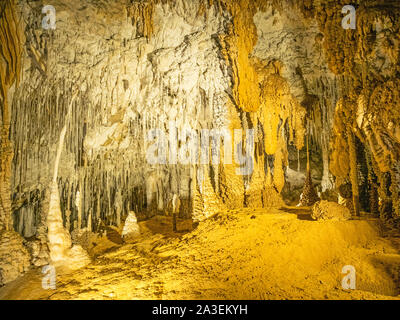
[
  {"x": 254, "y": 89},
  {"x": 11, "y": 41},
  {"x": 368, "y": 60},
  {"x": 14, "y": 256},
  {"x": 141, "y": 13}
]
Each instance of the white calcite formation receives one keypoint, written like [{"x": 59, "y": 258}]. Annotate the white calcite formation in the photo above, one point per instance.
[
  {"x": 131, "y": 228},
  {"x": 62, "y": 253},
  {"x": 133, "y": 66},
  {"x": 128, "y": 84}
]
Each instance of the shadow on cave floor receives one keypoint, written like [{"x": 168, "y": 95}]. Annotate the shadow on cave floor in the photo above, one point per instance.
[{"x": 303, "y": 213}]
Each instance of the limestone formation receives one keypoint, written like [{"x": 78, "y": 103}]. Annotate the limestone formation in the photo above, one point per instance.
[
  {"x": 131, "y": 228},
  {"x": 62, "y": 253},
  {"x": 111, "y": 115},
  {"x": 309, "y": 196},
  {"x": 14, "y": 258},
  {"x": 325, "y": 210},
  {"x": 39, "y": 252}
]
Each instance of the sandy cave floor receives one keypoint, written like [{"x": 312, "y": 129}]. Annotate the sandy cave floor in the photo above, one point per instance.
[{"x": 239, "y": 254}]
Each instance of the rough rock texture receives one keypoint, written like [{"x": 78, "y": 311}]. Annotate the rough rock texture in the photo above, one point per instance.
[
  {"x": 326, "y": 210},
  {"x": 113, "y": 70},
  {"x": 131, "y": 228},
  {"x": 62, "y": 253},
  {"x": 366, "y": 117},
  {"x": 14, "y": 258},
  {"x": 11, "y": 47},
  {"x": 309, "y": 196},
  {"x": 39, "y": 252},
  {"x": 215, "y": 261},
  {"x": 139, "y": 66},
  {"x": 83, "y": 237}
]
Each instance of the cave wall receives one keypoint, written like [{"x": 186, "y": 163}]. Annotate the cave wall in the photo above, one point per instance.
[
  {"x": 127, "y": 83},
  {"x": 284, "y": 69}
]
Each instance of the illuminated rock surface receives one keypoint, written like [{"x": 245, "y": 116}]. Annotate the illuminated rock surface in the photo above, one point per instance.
[
  {"x": 14, "y": 257},
  {"x": 311, "y": 112},
  {"x": 325, "y": 210},
  {"x": 239, "y": 254},
  {"x": 131, "y": 228}
]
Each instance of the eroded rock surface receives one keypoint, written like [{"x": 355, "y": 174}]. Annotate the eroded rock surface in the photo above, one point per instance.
[
  {"x": 326, "y": 210},
  {"x": 14, "y": 257}
]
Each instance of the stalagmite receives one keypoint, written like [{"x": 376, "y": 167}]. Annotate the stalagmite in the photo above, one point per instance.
[
  {"x": 61, "y": 251},
  {"x": 79, "y": 208},
  {"x": 271, "y": 198},
  {"x": 308, "y": 196},
  {"x": 131, "y": 228},
  {"x": 118, "y": 207},
  {"x": 59, "y": 238},
  {"x": 353, "y": 172}
]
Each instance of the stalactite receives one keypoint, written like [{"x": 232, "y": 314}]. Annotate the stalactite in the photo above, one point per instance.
[
  {"x": 237, "y": 46},
  {"x": 11, "y": 41},
  {"x": 141, "y": 14},
  {"x": 361, "y": 79},
  {"x": 279, "y": 176},
  {"x": 60, "y": 245},
  {"x": 308, "y": 196},
  {"x": 372, "y": 184},
  {"x": 353, "y": 172}
]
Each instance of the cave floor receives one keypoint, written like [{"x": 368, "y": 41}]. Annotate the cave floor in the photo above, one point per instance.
[{"x": 238, "y": 254}]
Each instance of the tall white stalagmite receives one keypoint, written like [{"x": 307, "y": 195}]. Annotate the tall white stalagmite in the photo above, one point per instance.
[
  {"x": 60, "y": 242},
  {"x": 59, "y": 238}
]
